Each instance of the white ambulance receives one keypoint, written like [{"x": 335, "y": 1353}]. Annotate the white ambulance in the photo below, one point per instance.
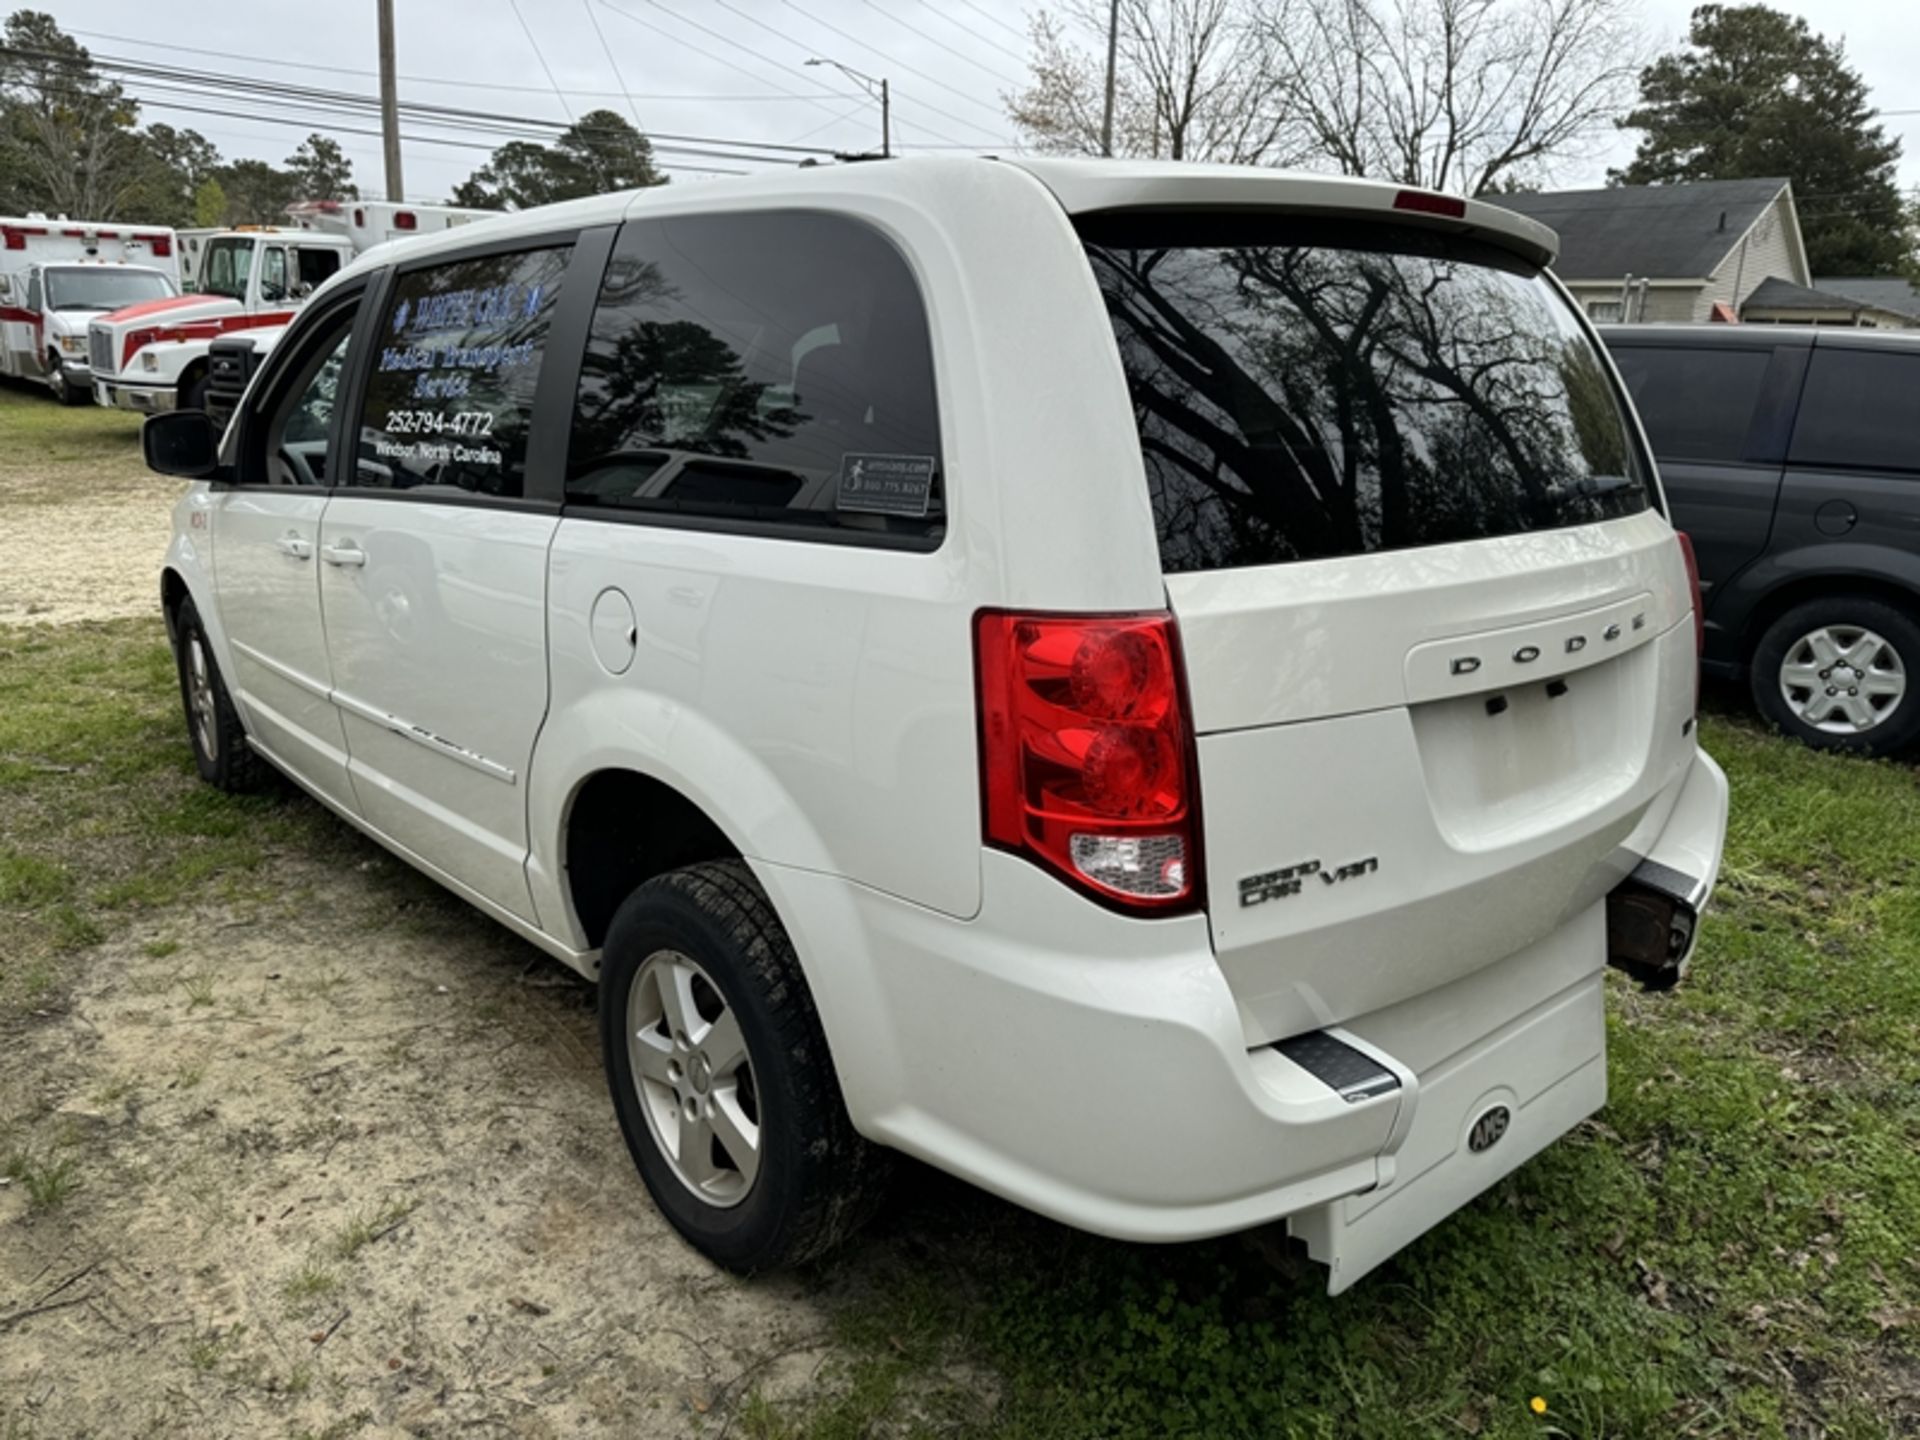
[
  {"x": 56, "y": 275},
  {"x": 154, "y": 357}
]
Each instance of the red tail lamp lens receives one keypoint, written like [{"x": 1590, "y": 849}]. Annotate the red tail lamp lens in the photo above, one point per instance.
[{"x": 1087, "y": 753}]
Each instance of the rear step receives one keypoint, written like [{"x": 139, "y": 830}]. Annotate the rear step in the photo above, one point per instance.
[{"x": 1351, "y": 1074}]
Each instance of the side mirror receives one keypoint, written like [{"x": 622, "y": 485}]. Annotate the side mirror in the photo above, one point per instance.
[{"x": 181, "y": 442}]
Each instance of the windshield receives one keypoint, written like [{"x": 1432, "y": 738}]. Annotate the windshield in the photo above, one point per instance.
[
  {"x": 225, "y": 269},
  {"x": 104, "y": 287},
  {"x": 1306, "y": 389}
]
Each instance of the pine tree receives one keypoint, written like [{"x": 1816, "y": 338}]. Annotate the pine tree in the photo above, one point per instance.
[{"x": 1758, "y": 93}]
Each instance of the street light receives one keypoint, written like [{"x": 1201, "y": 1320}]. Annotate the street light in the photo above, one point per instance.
[{"x": 871, "y": 85}]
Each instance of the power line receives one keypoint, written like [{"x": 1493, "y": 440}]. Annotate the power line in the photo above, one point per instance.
[
  {"x": 936, "y": 40},
  {"x": 253, "y": 118},
  {"x": 607, "y": 50},
  {"x": 461, "y": 84},
  {"x": 681, "y": 40},
  {"x": 893, "y": 61},
  {"x": 989, "y": 15},
  {"x": 782, "y": 36},
  {"x": 986, "y": 40},
  {"x": 527, "y": 30},
  {"x": 203, "y": 84}
]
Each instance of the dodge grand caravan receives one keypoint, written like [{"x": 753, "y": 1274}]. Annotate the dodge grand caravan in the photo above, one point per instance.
[{"x": 1157, "y": 689}]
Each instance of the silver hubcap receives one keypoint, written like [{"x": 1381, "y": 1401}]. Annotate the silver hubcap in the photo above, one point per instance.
[
  {"x": 694, "y": 1078},
  {"x": 1843, "y": 679},
  {"x": 200, "y": 698}
]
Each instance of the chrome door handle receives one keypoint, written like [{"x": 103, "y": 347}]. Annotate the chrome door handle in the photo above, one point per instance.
[
  {"x": 346, "y": 553},
  {"x": 294, "y": 545}
]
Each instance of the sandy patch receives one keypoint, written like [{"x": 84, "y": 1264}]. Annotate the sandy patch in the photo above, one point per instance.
[
  {"x": 347, "y": 1160},
  {"x": 81, "y": 542}
]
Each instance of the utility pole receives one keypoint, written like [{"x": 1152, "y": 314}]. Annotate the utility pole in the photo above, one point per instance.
[
  {"x": 389, "y": 105},
  {"x": 1113, "y": 48}
]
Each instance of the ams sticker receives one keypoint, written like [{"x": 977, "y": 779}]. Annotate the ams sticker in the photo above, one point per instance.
[
  {"x": 1279, "y": 884},
  {"x": 886, "y": 484}
]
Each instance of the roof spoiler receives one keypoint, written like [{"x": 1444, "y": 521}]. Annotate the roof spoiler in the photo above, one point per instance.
[{"x": 1086, "y": 187}]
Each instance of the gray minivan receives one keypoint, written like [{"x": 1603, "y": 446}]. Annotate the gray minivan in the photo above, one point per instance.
[{"x": 1791, "y": 455}]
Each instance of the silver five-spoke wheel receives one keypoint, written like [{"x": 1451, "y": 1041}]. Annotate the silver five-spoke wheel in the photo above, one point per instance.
[
  {"x": 1842, "y": 679},
  {"x": 694, "y": 1077},
  {"x": 206, "y": 721}
]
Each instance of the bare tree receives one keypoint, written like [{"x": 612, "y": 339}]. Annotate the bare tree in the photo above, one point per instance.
[
  {"x": 1447, "y": 94},
  {"x": 1193, "y": 83},
  {"x": 1455, "y": 94}
]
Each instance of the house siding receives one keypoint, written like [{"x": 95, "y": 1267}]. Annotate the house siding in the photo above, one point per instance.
[{"x": 1768, "y": 251}]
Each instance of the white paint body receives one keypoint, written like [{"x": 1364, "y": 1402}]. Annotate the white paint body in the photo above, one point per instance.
[
  {"x": 40, "y": 341},
  {"x": 817, "y": 703}
]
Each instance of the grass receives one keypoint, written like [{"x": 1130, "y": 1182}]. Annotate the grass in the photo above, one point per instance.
[
  {"x": 105, "y": 819},
  {"x": 1727, "y": 1251},
  {"x": 89, "y": 444},
  {"x": 47, "y": 1182},
  {"x": 367, "y": 1226},
  {"x": 312, "y": 1281}
]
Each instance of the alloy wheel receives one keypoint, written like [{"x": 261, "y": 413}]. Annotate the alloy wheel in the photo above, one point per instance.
[
  {"x": 200, "y": 696},
  {"x": 1843, "y": 679},
  {"x": 694, "y": 1078}
]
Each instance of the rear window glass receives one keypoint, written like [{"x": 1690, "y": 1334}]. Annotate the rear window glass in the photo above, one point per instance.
[
  {"x": 1305, "y": 391},
  {"x": 1696, "y": 404},
  {"x": 1859, "y": 411}
]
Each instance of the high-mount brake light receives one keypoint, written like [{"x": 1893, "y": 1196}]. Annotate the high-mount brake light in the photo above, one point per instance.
[
  {"x": 1086, "y": 750},
  {"x": 1425, "y": 202}
]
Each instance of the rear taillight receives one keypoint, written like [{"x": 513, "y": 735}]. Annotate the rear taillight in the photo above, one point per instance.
[
  {"x": 162, "y": 246},
  {"x": 1086, "y": 751},
  {"x": 405, "y": 220}
]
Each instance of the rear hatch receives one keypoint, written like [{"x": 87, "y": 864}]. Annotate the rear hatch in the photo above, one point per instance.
[{"x": 1437, "y": 635}]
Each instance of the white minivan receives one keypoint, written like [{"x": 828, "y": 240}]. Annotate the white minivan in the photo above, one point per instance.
[{"x": 1158, "y": 689}]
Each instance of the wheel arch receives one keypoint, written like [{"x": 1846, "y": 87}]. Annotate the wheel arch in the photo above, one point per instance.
[{"x": 1797, "y": 591}]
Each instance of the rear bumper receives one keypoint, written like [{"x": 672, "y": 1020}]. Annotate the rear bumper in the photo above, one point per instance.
[
  {"x": 129, "y": 395},
  {"x": 1097, "y": 1069}
]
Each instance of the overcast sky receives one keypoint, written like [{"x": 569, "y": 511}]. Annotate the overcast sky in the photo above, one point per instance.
[{"x": 732, "y": 69}]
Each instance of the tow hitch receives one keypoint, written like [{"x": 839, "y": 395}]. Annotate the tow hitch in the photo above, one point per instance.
[{"x": 1651, "y": 919}]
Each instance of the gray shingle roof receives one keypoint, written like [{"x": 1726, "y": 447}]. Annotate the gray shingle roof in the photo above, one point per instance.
[
  {"x": 1773, "y": 293},
  {"x": 1889, "y": 293},
  {"x": 1658, "y": 232}
]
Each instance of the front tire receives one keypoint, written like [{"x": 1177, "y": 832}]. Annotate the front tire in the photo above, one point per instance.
[
  {"x": 1841, "y": 673},
  {"x": 58, "y": 383},
  {"x": 721, "y": 1077},
  {"x": 220, "y": 749}
]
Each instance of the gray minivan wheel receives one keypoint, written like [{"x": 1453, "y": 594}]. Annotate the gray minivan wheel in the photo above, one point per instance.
[
  {"x": 1841, "y": 673},
  {"x": 720, "y": 1074}
]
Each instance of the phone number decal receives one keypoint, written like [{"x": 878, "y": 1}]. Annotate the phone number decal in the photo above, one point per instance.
[{"x": 437, "y": 422}]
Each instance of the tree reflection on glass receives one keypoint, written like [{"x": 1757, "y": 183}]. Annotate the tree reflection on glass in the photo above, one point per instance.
[{"x": 1297, "y": 402}]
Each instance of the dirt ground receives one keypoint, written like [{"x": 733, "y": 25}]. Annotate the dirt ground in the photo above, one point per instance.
[
  {"x": 349, "y": 1161},
  {"x": 339, "y": 1152}
]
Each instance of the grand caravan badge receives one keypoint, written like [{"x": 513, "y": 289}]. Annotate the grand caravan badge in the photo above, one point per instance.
[{"x": 1291, "y": 880}]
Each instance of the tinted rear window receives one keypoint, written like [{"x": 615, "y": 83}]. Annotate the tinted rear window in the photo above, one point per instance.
[
  {"x": 1305, "y": 391},
  {"x": 1696, "y": 404},
  {"x": 1861, "y": 409}
]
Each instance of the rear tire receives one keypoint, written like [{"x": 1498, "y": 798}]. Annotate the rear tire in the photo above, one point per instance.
[
  {"x": 220, "y": 749},
  {"x": 1841, "y": 673},
  {"x": 721, "y": 1077}
]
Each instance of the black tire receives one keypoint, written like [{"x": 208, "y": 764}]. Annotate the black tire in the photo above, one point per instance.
[
  {"x": 817, "y": 1180},
  {"x": 219, "y": 740},
  {"x": 193, "y": 394},
  {"x": 1787, "y": 640},
  {"x": 57, "y": 382}
]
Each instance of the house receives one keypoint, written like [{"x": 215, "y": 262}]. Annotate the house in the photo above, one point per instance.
[
  {"x": 1865, "y": 304},
  {"x": 1650, "y": 253}
]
